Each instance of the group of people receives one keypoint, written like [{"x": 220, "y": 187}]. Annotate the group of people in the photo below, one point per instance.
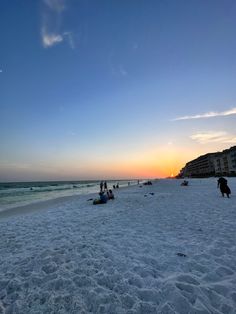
[
  {"x": 103, "y": 186},
  {"x": 105, "y": 194}
]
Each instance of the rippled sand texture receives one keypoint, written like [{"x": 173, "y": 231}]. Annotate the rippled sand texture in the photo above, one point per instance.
[{"x": 173, "y": 251}]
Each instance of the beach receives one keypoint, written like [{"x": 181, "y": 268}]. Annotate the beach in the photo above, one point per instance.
[{"x": 160, "y": 248}]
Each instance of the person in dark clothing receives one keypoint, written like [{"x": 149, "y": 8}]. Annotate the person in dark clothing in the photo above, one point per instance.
[
  {"x": 102, "y": 199},
  {"x": 101, "y": 186},
  {"x": 105, "y": 186},
  {"x": 110, "y": 195},
  {"x": 222, "y": 184}
]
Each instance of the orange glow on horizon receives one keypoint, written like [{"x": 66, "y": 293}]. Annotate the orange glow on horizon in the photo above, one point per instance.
[{"x": 161, "y": 163}]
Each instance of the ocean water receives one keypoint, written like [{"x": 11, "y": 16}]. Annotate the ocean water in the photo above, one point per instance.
[{"x": 16, "y": 194}]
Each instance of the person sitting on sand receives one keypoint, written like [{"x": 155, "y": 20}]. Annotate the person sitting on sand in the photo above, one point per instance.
[
  {"x": 102, "y": 200},
  {"x": 103, "y": 197},
  {"x": 222, "y": 183},
  {"x": 110, "y": 195},
  {"x": 184, "y": 183}
]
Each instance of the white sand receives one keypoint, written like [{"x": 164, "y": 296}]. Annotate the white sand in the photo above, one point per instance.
[{"x": 122, "y": 257}]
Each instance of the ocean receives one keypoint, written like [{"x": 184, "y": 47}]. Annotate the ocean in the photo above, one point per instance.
[{"x": 15, "y": 194}]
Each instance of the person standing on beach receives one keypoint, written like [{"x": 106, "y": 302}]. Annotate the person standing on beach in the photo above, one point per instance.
[
  {"x": 101, "y": 186},
  {"x": 105, "y": 186},
  {"x": 222, "y": 184}
]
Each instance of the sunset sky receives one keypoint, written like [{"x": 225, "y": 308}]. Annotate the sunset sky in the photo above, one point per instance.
[{"x": 114, "y": 89}]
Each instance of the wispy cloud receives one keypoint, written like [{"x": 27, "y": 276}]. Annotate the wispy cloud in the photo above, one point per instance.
[
  {"x": 214, "y": 137},
  {"x": 50, "y": 39},
  {"x": 210, "y": 114},
  {"x": 51, "y": 32},
  {"x": 55, "y": 5}
]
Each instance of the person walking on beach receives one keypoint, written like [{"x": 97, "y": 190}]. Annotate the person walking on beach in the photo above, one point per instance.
[
  {"x": 101, "y": 186},
  {"x": 105, "y": 186},
  {"x": 222, "y": 184}
]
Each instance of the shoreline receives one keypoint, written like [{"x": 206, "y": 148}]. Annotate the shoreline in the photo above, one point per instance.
[
  {"x": 45, "y": 205},
  {"x": 40, "y": 205},
  {"x": 50, "y": 198}
]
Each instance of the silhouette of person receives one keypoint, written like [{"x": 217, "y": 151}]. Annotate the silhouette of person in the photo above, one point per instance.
[
  {"x": 105, "y": 186},
  {"x": 101, "y": 186},
  {"x": 223, "y": 185}
]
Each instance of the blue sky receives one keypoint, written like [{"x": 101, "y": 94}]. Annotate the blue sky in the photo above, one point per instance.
[{"x": 94, "y": 89}]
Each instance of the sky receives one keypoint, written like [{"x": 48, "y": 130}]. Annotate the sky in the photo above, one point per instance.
[{"x": 114, "y": 89}]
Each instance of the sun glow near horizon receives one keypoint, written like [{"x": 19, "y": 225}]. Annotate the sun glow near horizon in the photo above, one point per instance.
[{"x": 149, "y": 165}]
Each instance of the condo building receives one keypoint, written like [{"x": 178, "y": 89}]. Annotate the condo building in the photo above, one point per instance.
[{"x": 212, "y": 164}]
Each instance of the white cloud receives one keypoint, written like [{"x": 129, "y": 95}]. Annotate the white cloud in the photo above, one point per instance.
[
  {"x": 50, "y": 39},
  {"x": 214, "y": 137},
  {"x": 208, "y": 115},
  {"x": 51, "y": 32}
]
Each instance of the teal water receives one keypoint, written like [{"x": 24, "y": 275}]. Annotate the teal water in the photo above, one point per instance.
[{"x": 16, "y": 194}]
